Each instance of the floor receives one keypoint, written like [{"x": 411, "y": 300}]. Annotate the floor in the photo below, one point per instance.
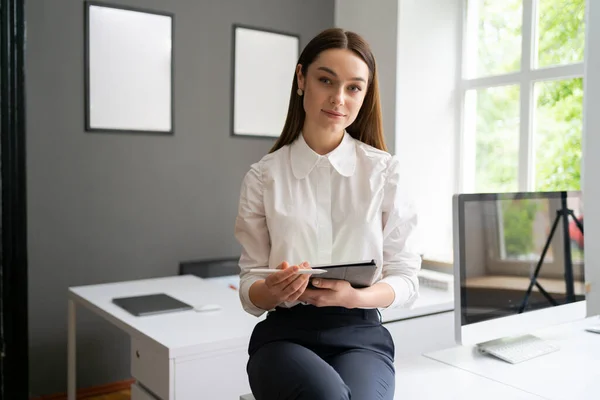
[{"x": 122, "y": 395}]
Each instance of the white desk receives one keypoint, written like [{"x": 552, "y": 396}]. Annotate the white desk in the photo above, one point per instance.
[
  {"x": 182, "y": 352},
  {"x": 180, "y": 355},
  {"x": 418, "y": 377},
  {"x": 573, "y": 372},
  {"x": 430, "y": 301}
]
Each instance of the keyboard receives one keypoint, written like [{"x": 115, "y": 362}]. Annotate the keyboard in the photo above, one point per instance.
[
  {"x": 595, "y": 329},
  {"x": 518, "y": 349}
]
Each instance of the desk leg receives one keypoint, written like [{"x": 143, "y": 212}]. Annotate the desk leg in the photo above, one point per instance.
[{"x": 72, "y": 354}]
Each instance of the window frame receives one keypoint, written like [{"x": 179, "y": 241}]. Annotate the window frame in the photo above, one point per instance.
[{"x": 526, "y": 79}]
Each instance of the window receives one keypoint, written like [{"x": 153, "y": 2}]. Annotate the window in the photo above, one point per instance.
[
  {"x": 516, "y": 233},
  {"x": 524, "y": 227},
  {"x": 522, "y": 91},
  {"x": 519, "y": 115}
]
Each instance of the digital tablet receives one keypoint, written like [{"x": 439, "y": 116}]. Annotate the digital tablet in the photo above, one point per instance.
[
  {"x": 156, "y": 303},
  {"x": 360, "y": 274}
]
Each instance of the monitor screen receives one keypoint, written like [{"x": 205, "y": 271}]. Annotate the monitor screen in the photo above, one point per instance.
[{"x": 519, "y": 252}]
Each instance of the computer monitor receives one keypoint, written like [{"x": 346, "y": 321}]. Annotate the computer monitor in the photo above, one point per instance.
[{"x": 518, "y": 263}]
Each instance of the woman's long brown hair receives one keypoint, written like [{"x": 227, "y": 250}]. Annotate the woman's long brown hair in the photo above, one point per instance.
[{"x": 368, "y": 126}]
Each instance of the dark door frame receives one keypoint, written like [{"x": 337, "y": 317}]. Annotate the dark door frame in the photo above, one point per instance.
[{"x": 14, "y": 358}]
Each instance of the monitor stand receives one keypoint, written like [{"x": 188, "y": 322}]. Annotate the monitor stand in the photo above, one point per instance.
[{"x": 517, "y": 349}]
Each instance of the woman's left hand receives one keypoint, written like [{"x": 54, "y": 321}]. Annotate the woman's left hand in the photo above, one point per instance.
[{"x": 331, "y": 292}]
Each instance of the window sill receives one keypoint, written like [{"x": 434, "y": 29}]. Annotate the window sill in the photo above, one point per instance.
[{"x": 438, "y": 265}]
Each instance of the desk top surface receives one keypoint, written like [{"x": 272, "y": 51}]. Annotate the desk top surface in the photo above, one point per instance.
[
  {"x": 430, "y": 301},
  {"x": 182, "y": 332},
  {"x": 419, "y": 377},
  {"x": 187, "y": 332},
  {"x": 573, "y": 372}
]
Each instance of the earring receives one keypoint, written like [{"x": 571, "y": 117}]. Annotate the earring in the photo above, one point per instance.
[{"x": 300, "y": 92}]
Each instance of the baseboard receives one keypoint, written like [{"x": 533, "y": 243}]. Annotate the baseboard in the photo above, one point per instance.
[{"x": 91, "y": 391}]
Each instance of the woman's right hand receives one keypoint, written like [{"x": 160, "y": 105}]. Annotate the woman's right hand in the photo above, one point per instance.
[{"x": 287, "y": 285}]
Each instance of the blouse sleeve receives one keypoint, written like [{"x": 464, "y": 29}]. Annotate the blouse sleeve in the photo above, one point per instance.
[
  {"x": 401, "y": 262},
  {"x": 252, "y": 233}
]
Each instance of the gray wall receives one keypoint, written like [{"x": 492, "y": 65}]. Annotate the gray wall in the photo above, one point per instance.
[
  {"x": 109, "y": 207},
  {"x": 591, "y": 153}
]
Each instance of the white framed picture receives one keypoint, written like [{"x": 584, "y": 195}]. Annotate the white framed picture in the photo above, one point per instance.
[
  {"x": 128, "y": 69},
  {"x": 264, "y": 63}
]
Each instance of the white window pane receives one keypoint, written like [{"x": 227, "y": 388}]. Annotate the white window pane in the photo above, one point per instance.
[
  {"x": 524, "y": 228},
  {"x": 494, "y": 130},
  {"x": 557, "y": 134},
  {"x": 493, "y": 42},
  {"x": 561, "y": 32}
]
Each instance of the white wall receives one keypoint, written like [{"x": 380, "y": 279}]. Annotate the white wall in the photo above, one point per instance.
[
  {"x": 591, "y": 155},
  {"x": 377, "y": 22},
  {"x": 426, "y": 120},
  {"x": 417, "y": 46}
]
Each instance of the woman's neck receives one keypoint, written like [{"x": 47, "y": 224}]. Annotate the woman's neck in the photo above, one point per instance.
[{"x": 321, "y": 141}]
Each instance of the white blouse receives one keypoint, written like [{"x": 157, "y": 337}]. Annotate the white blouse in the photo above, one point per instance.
[{"x": 349, "y": 205}]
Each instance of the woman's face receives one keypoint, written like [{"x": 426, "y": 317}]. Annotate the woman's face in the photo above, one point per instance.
[{"x": 334, "y": 88}]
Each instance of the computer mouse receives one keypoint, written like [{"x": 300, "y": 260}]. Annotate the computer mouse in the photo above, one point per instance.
[{"x": 207, "y": 307}]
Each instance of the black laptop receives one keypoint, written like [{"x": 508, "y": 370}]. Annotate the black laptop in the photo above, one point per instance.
[{"x": 157, "y": 303}]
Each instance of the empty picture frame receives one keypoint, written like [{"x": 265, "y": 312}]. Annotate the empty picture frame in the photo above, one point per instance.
[
  {"x": 128, "y": 69},
  {"x": 264, "y": 63}
]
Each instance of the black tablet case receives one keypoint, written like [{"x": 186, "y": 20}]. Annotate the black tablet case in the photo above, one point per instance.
[{"x": 360, "y": 274}]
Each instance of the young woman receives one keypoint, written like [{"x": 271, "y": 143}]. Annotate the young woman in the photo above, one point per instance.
[{"x": 327, "y": 192}]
